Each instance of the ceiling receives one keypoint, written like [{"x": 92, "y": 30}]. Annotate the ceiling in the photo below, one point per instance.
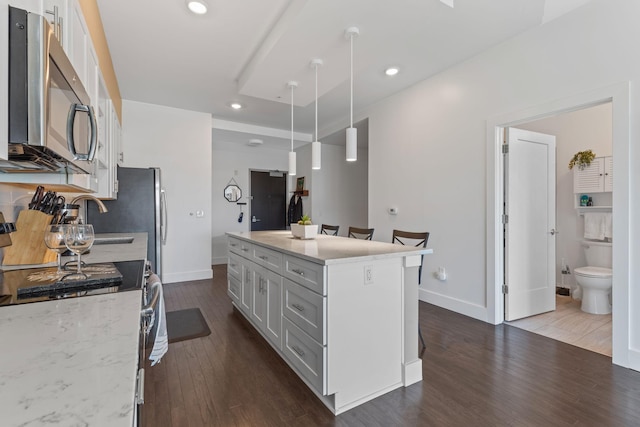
[{"x": 247, "y": 50}]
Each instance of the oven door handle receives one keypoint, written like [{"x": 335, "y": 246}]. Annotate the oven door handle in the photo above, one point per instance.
[
  {"x": 93, "y": 139},
  {"x": 148, "y": 309}
]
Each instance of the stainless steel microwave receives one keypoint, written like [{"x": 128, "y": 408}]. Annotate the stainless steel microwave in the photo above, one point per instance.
[{"x": 52, "y": 127}]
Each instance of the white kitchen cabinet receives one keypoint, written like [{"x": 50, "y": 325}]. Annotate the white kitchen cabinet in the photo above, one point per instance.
[
  {"x": 266, "y": 311},
  {"x": 246, "y": 294},
  {"x": 316, "y": 307},
  {"x": 595, "y": 178},
  {"x": 108, "y": 134},
  {"x": 118, "y": 145},
  {"x": 78, "y": 40}
]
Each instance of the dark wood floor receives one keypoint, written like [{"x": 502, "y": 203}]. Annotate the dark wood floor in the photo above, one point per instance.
[{"x": 475, "y": 374}]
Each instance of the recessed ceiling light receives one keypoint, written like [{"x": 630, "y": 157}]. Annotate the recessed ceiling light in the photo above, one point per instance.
[
  {"x": 254, "y": 142},
  {"x": 198, "y": 7},
  {"x": 391, "y": 71},
  {"x": 236, "y": 105}
]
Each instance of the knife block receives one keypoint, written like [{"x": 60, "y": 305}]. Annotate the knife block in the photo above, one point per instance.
[{"x": 28, "y": 240}]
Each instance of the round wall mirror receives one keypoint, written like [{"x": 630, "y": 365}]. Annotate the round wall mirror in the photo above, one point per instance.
[{"x": 232, "y": 193}]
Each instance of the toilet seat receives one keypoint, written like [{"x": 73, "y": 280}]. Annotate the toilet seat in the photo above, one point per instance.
[{"x": 596, "y": 272}]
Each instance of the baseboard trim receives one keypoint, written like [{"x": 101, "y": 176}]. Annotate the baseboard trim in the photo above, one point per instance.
[
  {"x": 219, "y": 260},
  {"x": 187, "y": 276},
  {"x": 634, "y": 360},
  {"x": 463, "y": 307}
]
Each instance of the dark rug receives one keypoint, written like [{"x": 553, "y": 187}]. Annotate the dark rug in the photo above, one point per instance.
[{"x": 186, "y": 325}]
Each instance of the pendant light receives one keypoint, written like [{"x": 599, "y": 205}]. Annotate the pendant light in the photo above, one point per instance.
[
  {"x": 292, "y": 154},
  {"x": 352, "y": 133},
  {"x": 316, "y": 147}
]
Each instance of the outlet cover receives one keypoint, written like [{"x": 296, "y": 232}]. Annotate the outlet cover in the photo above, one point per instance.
[{"x": 368, "y": 274}]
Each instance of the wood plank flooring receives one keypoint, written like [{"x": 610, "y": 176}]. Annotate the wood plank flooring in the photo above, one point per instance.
[{"x": 475, "y": 374}]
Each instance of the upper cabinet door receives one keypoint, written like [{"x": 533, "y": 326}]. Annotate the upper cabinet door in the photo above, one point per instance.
[
  {"x": 595, "y": 178},
  {"x": 608, "y": 174},
  {"x": 589, "y": 179},
  {"x": 79, "y": 39}
]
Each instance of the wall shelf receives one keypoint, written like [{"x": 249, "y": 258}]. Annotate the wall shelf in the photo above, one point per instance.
[{"x": 582, "y": 209}]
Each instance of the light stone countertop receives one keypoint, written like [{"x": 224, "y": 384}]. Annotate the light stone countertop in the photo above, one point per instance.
[
  {"x": 70, "y": 362},
  {"x": 73, "y": 361},
  {"x": 327, "y": 250}
]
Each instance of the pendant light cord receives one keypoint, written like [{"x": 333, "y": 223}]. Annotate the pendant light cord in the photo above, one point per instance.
[
  {"x": 292, "y": 118},
  {"x": 316, "y": 101},
  {"x": 351, "y": 37}
]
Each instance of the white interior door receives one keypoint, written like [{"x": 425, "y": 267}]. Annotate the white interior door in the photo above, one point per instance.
[{"x": 530, "y": 218}]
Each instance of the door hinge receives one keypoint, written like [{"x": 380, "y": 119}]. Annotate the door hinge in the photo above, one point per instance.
[
  {"x": 505, "y": 148},
  {"x": 505, "y": 289},
  {"x": 505, "y": 218}
]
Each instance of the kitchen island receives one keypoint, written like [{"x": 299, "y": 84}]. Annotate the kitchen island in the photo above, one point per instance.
[
  {"x": 343, "y": 313},
  {"x": 73, "y": 361}
]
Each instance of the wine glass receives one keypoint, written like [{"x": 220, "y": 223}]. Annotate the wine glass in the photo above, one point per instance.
[
  {"x": 54, "y": 239},
  {"x": 78, "y": 238}
]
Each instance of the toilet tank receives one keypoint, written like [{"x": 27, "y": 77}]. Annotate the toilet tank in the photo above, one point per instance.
[{"x": 598, "y": 253}]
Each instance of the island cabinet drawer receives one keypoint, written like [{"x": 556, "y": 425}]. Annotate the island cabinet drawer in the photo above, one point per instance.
[
  {"x": 240, "y": 247},
  {"x": 307, "y": 356},
  {"x": 306, "y": 273},
  {"x": 267, "y": 258},
  {"x": 234, "y": 289},
  {"x": 234, "y": 266},
  {"x": 305, "y": 309}
]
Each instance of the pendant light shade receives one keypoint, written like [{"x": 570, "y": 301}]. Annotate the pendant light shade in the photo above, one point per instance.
[
  {"x": 292, "y": 163},
  {"x": 352, "y": 144},
  {"x": 292, "y": 154},
  {"x": 316, "y": 147},
  {"x": 352, "y": 133}
]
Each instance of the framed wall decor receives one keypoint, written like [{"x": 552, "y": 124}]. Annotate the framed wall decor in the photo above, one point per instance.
[{"x": 300, "y": 183}]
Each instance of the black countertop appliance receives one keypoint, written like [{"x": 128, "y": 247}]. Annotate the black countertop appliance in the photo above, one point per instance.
[{"x": 19, "y": 286}]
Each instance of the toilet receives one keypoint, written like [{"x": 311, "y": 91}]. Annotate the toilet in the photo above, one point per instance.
[{"x": 596, "y": 278}]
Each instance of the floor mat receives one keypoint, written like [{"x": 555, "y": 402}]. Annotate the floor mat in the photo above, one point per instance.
[{"x": 186, "y": 325}]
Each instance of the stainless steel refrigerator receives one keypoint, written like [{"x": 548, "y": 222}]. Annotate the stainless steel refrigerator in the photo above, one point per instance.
[{"x": 141, "y": 207}]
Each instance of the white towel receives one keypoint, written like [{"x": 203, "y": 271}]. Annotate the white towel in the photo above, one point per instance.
[
  {"x": 608, "y": 225},
  {"x": 594, "y": 225},
  {"x": 161, "y": 342}
]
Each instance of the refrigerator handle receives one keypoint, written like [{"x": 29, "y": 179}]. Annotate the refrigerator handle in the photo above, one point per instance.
[{"x": 163, "y": 216}]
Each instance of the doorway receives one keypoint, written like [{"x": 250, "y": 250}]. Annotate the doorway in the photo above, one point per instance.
[
  {"x": 268, "y": 200},
  {"x": 588, "y": 128},
  {"x": 618, "y": 95}
]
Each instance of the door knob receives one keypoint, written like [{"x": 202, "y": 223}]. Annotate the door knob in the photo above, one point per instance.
[{"x": 554, "y": 231}]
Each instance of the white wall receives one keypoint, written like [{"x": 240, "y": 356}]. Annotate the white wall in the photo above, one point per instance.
[
  {"x": 179, "y": 143},
  {"x": 236, "y": 162},
  {"x": 338, "y": 192},
  {"x": 589, "y": 128},
  {"x": 428, "y": 146}
]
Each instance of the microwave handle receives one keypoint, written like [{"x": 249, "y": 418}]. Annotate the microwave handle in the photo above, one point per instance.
[{"x": 71, "y": 144}]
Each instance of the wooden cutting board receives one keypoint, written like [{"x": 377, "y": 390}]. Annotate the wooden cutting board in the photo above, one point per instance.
[{"x": 28, "y": 240}]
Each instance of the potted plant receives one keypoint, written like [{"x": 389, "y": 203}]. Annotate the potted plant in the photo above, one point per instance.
[
  {"x": 304, "y": 229},
  {"x": 582, "y": 159}
]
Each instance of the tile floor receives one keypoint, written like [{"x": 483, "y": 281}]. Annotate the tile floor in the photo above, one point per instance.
[{"x": 571, "y": 325}]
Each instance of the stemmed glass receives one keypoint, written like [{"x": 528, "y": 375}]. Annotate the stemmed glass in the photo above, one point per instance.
[
  {"x": 54, "y": 239},
  {"x": 78, "y": 238}
]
